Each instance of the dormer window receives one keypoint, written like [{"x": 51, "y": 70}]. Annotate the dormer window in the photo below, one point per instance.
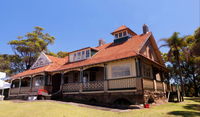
[
  {"x": 116, "y": 36},
  {"x": 81, "y": 54},
  {"x": 124, "y": 33},
  {"x": 120, "y": 35}
]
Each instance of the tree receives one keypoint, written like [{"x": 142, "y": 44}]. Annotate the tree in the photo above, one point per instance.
[
  {"x": 191, "y": 62},
  {"x": 60, "y": 54},
  {"x": 10, "y": 64},
  {"x": 175, "y": 43},
  {"x": 196, "y": 45},
  {"x": 28, "y": 47},
  {"x": 183, "y": 60}
]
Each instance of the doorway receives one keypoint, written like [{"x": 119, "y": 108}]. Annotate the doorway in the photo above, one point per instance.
[{"x": 56, "y": 82}]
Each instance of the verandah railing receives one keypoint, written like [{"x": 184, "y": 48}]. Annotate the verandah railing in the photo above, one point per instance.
[
  {"x": 25, "y": 90},
  {"x": 111, "y": 84}
]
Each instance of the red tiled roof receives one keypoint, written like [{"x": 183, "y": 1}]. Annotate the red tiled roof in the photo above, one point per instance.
[
  {"x": 106, "y": 52},
  {"x": 110, "y": 51},
  {"x": 123, "y": 27},
  {"x": 56, "y": 63}
]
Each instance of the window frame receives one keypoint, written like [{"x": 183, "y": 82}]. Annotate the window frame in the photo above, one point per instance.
[{"x": 122, "y": 76}]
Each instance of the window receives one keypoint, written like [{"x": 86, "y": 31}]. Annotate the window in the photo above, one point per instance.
[
  {"x": 74, "y": 58},
  {"x": 120, "y": 35},
  {"x": 83, "y": 54},
  {"x": 87, "y": 53},
  {"x": 121, "y": 71},
  {"x": 124, "y": 33},
  {"x": 116, "y": 36},
  {"x": 147, "y": 71},
  {"x": 79, "y": 55}
]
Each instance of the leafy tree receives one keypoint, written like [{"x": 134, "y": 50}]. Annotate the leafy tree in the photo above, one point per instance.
[
  {"x": 196, "y": 45},
  {"x": 182, "y": 60},
  {"x": 191, "y": 60},
  {"x": 10, "y": 64},
  {"x": 60, "y": 54},
  {"x": 28, "y": 47},
  {"x": 175, "y": 44}
]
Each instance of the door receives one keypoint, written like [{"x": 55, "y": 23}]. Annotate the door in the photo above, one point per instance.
[{"x": 56, "y": 82}]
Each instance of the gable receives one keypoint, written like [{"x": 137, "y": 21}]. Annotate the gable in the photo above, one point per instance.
[
  {"x": 151, "y": 51},
  {"x": 42, "y": 60}
]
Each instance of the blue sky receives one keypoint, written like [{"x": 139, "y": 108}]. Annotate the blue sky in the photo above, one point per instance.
[{"x": 80, "y": 23}]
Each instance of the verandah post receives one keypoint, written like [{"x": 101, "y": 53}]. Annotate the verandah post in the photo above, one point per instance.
[
  {"x": 105, "y": 78},
  {"x": 10, "y": 87},
  {"x": 62, "y": 80},
  {"x": 81, "y": 80},
  {"x": 19, "y": 86}
]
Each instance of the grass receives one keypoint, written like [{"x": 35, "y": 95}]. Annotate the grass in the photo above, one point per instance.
[{"x": 189, "y": 108}]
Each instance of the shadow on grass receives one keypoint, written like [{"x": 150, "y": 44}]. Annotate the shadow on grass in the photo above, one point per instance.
[
  {"x": 195, "y": 99},
  {"x": 193, "y": 107},
  {"x": 185, "y": 113},
  {"x": 189, "y": 107}
]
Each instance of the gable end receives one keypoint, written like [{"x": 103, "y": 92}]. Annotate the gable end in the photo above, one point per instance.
[{"x": 41, "y": 61}]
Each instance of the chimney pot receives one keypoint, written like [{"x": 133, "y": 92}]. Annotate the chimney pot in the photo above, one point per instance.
[
  {"x": 145, "y": 29},
  {"x": 101, "y": 42}
]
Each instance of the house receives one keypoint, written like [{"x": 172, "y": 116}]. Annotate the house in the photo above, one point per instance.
[{"x": 129, "y": 70}]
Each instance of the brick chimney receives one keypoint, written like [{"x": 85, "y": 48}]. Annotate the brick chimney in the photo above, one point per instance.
[
  {"x": 145, "y": 29},
  {"x": 101, "y": 42}
]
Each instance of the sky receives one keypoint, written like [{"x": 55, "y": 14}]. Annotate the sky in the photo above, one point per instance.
[{"x": 81, "y": 23}]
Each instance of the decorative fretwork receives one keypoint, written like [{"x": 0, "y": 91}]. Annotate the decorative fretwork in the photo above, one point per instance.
[
  {"x": 93, "y": 86},
  {"x": 71, "y": 87},
  {"x": 42, "y": 60},
  {"x": 35, "y": 89},
  {"x": 25, "y": 90},
  {"x": 14, "y": 91}
]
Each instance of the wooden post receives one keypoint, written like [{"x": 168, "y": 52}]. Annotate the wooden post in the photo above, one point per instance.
[
  {"x": 154, "y": 84},
  {"x": 19, "y": 86},
  {"x": 105, "y": 78},
  {"x": 62, "y": 80},
  {"x": 164, "y": 89},
  {"x": 81, "y": 80},
  {"x": 10, "y": 88},
  {"x": 44, "y": 79},
  {"x": 138, "y": 67},
  {"x": 31, "y": 84}
]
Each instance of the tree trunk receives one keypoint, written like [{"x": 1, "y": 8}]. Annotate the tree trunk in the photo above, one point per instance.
[
  {"x": 180, "y": 75},
  {"x": 195, "y": 86}
]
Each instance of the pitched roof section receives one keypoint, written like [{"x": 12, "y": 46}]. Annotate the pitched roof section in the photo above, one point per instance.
[
  {"x": 110, "y": 52},
  {"x": 122, "y": 28},
  {"x": 55, "y": 64},
  {"x": 107, "y": 52}
]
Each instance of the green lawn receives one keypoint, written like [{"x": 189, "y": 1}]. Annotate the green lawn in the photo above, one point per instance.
[{"x": 189, "y": 108}]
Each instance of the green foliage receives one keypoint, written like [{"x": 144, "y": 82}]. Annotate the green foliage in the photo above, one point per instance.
[
  {"x": 28, "y": 47},
  {"x": 182, "y": 60},
  {"x": 10, "y": 64},
  {"x": 60, "y": 54}
]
